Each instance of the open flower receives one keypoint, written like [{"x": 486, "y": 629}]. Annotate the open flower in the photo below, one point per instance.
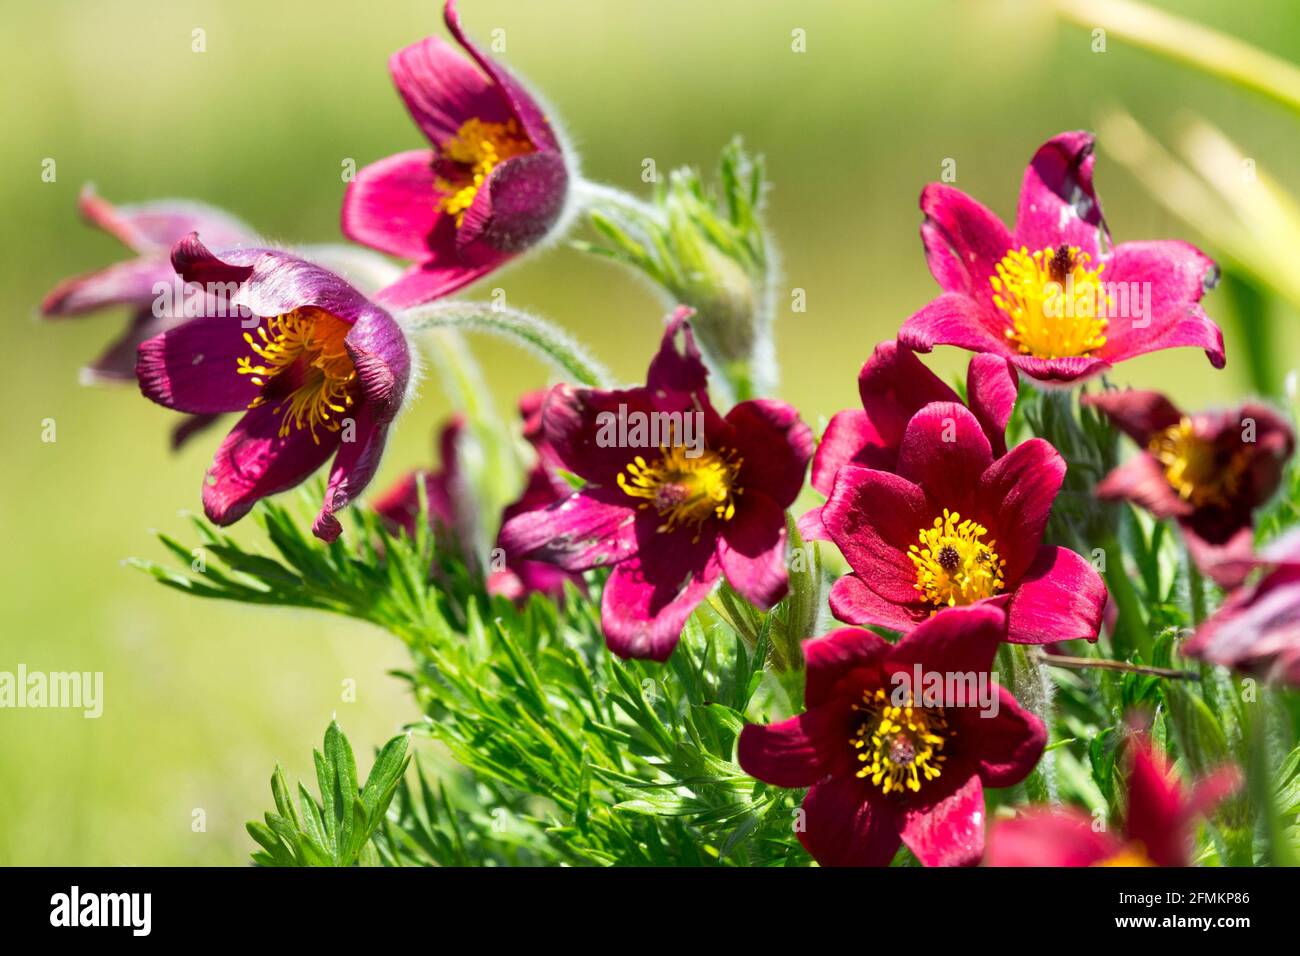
[
  {"x": 1209, "y": 471},
  {"x": 1257, "y": 629},
  {"x": 954, "y": 526},
  {"x": 1052, "y": 295},
  {"x": 1157, "y": 827},
  {"x": 884, "y": 762},
  {"x": 894, "y": 385},
  {"x": 493, "y": 184},
  {"x": 317, "y": 368},
  {"x": 675, "y": 496},
  {"x": 148, "y": 230}
]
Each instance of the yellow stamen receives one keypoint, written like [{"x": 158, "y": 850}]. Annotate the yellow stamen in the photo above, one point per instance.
[
  {"x": 1131, "y": 854},
  {"x": 898, "y": 745},
  {"x": 954, "y": 565},
  {"x": 1056, "y": 304},
  {"x": 477, "y": 148},
  {"x": 305, "y": 364},
  {"x": 1201, "y": 473},
  {"x": 685, "y": 490}
]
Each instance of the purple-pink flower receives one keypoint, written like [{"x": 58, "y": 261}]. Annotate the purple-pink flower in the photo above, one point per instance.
[
  {"x": 319, "y": 371},
  {"x": 493, "y": 184},
  {"x": 1052, "y": 295},
  {"x": 676, "y": 495}
]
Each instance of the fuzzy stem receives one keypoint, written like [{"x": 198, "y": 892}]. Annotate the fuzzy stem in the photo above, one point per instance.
[
  {"x": 589, "y": 195},
  {"x": 1079, "y": 663}
]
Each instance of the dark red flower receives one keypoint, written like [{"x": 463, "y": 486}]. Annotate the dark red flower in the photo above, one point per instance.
[
  {"x": 1209, "y": 471},
  {"x": 884, "y": 767},
  {"x": 1157, "y": 827},
  {"x": 669, "y": 514}
]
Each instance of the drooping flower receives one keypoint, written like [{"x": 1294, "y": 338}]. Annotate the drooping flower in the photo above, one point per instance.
[
  {"x": 954, "y": 526},
  {"x": 494, "y": 183},
  {"x": 885, "y": 760},
  {"x": 1052, "y": 295},
  {"x": 1157, "y": 827},
  {"x": 675, "y": 495},
  {"x": 894, "y": 385},
  {"x": 148, "y": 230},
  {"x": 450, "y": 511},
  {"x": 317, "y": 368},
  {"x": 1257, "y": 629},
  {"x": 1209, "y": 471}
]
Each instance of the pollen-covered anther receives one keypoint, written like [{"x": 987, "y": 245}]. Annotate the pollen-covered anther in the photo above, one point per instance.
[
  {"x": 1056, "y": 304},
  {"x": 685, "y": 489},
  {"x": 304, "y": 367},
  {"x": 898, "y": 745},
  {"x": 954, "y": 564},
  {"x": 467, "y": 159},
  {"x": 1196, "y": 467}
]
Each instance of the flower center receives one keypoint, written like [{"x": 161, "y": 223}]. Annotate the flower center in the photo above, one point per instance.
[
  {"x": 465, "y": 161},
  {"x": 1195, "y": 468},
  {"x": 898, "y": 746},
  {"x": 1056, "y": 304},
  {"x": 685, "y": 490},
  {"x": 954, "y": 564},
  {"x": 304, "y": 366},
  {"x": 1130, "y": 854}
]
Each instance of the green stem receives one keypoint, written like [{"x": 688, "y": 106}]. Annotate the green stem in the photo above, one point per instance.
[
  {"x": 1184, "y": 41},
  {"x": 548, "y": 341},
  {"x": 1130, "y": 630},
  {"x": 1195, "y": 591}
]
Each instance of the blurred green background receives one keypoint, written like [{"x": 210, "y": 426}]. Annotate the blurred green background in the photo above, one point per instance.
[{"x": 201, "y": 699}]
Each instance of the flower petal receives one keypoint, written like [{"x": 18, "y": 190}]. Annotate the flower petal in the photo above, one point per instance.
[
  {"x": 849, "y": 437},
  {"x": 133, "y": 282},
  {"x": 963, "y": 240},
  {"x": 1016, "y": 495},
  {"x": 577, "y": 533},
  {"x": 1138, "y": 414},
  {"x": 831, "y": 658},
  {"x": 751, "y": 547},
  {"x": 842, "y": 829},
  {"x": 354, "y": 467},
  {"x": 1010, "y": 741},
  {"x": 391, "y": 206},
  {"x": 873, "y": 517},
  {"x": 797, "y": 752},
  {"x": 1043, "y": 837},
  {"x": 894, "y": 385},
  {"x": 949, "y": 832},
  {"x": 957, "y": 640},
  {"x": 1058, "y": 205},
  {"x": 677, "y": 368},
  {"x": 774, "y": 445},
  {"x": 151, "y": 228},
  {"x": 1061, "y": 597},
  {"x": 442, "y": 89},
  {"x": 853, "y": 602},
  {"x": 1142, "y": 481},
  {"x": 945, "y": 451},
  {"x": 991, "y": 388},
  {"x": 518, "y": 204},
  {"x": 194, "y": 367},
  {"x": 956, "y": 319}
]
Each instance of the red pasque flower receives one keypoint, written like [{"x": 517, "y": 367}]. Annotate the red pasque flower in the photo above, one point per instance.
[
  {"x": 493, "y": 184},
  {"x": 1209, "y": 471},
  {"x": 1257, "y": 629},
  {"x": 1157, "y": 828},
  {"x": 675, "y": 496},
  {"x": 955, "y": 526},
  {"x": 894, "y": 385},
  {"x": 318, "y": 369},
  {"x": 1052, "y": 295},
  {"x": 883, "y": 765}
]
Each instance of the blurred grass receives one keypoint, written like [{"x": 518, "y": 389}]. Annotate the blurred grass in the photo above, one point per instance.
[{"x": 202, "y": 699}]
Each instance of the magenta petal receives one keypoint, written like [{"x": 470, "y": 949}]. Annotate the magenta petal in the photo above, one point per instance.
[
  {"x": 991, "y": 387},
  {"x": 1042, "y": 837},
  {"x": 1142, "y": 481},
  {"x": 134, "y": 282},
  {"x": 254, "y": 462},
  {"x": 811, "y": 527},
  {"x": 391, "y": 206},
  {"x": 354, "y": 467},
  {"x": 646, "y": 602},
  {"x": 1010, "y": 742},
  {"x": 433, "y": 279},
  {"x": 1140, "y": 415},
  {"x": 443, "y": 90},
  {"x": 1226, "y": 563},
  {"x": 963, "y": 240},
  {"x": 945, "y": 451},
  {"x": 520, "y": 201},
  {"x": 118, "y": 360},
  {"x": 956, "y": 319},
  {"x": 1058, "y": 204},
  {"x": 1060, "y": 372},
  {"x": 774, "y": 445},
  {"x": 950, "y": 832},
  {"x": 577, "y": 533},
  {"x": 797, "y": 752},
  {"x": 874, "y": 517},
  {"x": 382, "y": 359},
  {"x": 960, "y": 639},
  {"x": 1175, "y": 275},
  {"x": 194, "y": 367},
  {"x": 1061, "y": 597},
  {"x": 152, "y": 228},
  {"x": 853, "y": 602},
  {"x": 1157, "y": 813},
  {"x": 842, "y": 829},
  {"x": 894, "y": 385},
  {"x": 831, "y": 658},
  {"x": 1016, "y": 493},
  {"x": 580, "y": 427},
  {"x": 849, "y": 437},
  {"x": 751, "y": 547},
  {"x": 678, "y": 368}
]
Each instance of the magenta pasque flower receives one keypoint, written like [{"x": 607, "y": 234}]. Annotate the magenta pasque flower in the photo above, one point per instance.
[
  {"x": 1257, "y": 629},
  {"x": 955, "y": 526},
  {"x": 493, "y": 184},
  {"x": 1209, "y": 471},
  {"x": 894, "y": 385},
  {"x": 1157, "y": 827},
  {"x": 885, "y": 763},
  {"x": 149, "y": 230},
  {"x": 317, "y": 368},
  {"x": 1052, "y": 295},
  {"x": 675, "y": 496}
]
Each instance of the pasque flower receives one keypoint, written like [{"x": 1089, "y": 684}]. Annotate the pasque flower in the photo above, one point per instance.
[
  {"x": 450, "y": 512},
  {"x": 1052, "y": 295},
  {"x": 148, "y": 230},
  {"x": 493, "y": 184},
  {"x": 882, "y": 762},
  {"x": 669, "y": 513},
  {"x": 1257, "y": 629},
  {"x": 1209, "y": 471},
  {"x": 894, "y": 385},
  {"x": 1157, "y": 828},
  {"x": 955, "y": 526},
  {"x": 317, "y": 368}
]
